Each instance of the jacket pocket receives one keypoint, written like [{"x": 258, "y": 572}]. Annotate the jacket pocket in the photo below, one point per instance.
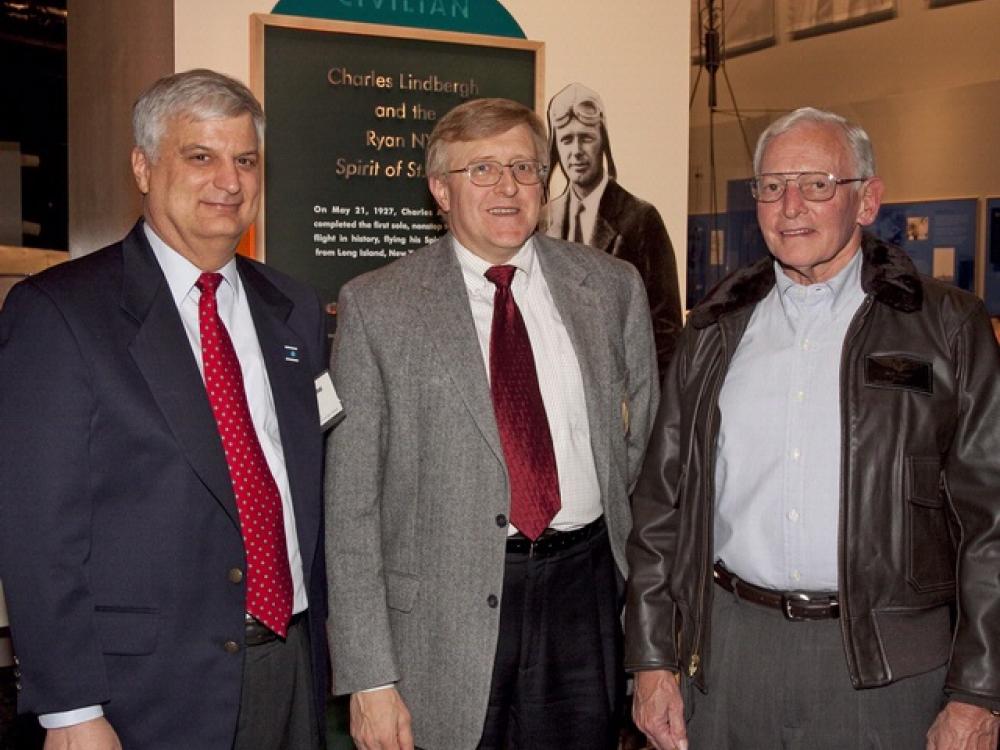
[
  {"x": 401, "y": 590},
  {"x": 930, "y": 548},
  {"x": 127, "y": 631},
  {"x": 907, "y": 373}
]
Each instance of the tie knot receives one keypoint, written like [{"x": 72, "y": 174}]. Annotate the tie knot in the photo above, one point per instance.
[
  {"x": 501, "y": 276},
  {"x": 208, "y": 282}
]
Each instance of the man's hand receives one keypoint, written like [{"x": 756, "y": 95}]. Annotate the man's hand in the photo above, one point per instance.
[
  {"x": 962, "y": 726},
  {"x": 658, "y": 709},
  {"x": 95, "y": 734},
  {"x": 380, "y": 721}
]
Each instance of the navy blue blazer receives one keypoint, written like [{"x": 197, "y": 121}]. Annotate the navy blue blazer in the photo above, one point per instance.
[{"x": 118, "y": 524}]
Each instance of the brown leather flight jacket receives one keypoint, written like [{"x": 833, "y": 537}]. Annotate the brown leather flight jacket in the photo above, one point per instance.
[{"x": 919, "y": 536}]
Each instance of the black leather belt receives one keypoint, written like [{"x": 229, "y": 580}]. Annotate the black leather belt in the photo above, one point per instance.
[
  {"x": 795, "y": 605},
  {"x": 553, "y": 541},
  {"x": 257, "y": 633}
]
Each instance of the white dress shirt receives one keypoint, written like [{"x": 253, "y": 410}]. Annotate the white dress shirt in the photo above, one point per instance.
[
  {"x": 777, "y": 473},
  {"x": 559, "y": 378},
  {"x": 234, "y": 310}
]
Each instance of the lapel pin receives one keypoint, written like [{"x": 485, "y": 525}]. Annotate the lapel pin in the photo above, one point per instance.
[{"x": 291, "y": 353}]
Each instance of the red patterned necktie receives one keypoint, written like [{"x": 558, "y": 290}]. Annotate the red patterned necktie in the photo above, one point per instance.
[
  {"x": 269, "y": 578},
  {"x": 520, "y": 414}
]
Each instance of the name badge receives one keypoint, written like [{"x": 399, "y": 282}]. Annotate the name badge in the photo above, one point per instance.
[{"x": 331, "y": 410}]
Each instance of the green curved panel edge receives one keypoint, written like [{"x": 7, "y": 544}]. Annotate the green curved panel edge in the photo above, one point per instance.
[{"x": 468, "y": 16}]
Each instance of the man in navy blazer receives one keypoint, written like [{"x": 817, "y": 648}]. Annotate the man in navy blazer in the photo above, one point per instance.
[{"x": 121, "y": 550}]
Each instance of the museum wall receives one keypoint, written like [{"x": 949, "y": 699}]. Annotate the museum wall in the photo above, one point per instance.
[
  {"x": 926, "y": 86},
  {"x": 636, "y": 60}
]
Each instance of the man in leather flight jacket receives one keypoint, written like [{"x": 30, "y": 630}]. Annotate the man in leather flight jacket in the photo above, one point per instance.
[{"x": 816, "y": 540}]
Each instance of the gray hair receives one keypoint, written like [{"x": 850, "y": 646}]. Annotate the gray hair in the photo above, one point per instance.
[
  {"x": 199, "y": 94},
  {"x": 855, "y": 137},
  {"x": 477, "y": 119}
]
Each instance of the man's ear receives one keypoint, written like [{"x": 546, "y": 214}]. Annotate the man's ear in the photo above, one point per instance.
[
  {"x": 140, "y": 169},
  {"x": 871, "y": 200},
  {"x": 440, "y": 191}
]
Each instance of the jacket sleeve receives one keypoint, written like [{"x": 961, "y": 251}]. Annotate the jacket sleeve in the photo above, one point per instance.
[
  {"x": 361, "y": 646},
  {"x": 643, "y": 384},
  {"x": 47, "y": 404},
  {"x": 649, "y": 609},
  {"x": 972, "y": 477}
]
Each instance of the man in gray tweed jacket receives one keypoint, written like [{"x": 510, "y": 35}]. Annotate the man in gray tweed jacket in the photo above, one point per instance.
[{"x": 454, "y": 623}]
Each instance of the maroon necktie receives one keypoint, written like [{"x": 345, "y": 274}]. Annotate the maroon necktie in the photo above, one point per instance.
[
  {"x": 269, "y": 578},
  {"x": 520, "y": 414}
]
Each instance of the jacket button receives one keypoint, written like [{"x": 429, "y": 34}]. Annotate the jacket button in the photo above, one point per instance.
[
  {"x": 501, "y": 520},
  {"x": 17, "y": 684},
  {"x": 235, "y": 575},
  {"x": 492, "y": 601},
  {"x": 231, "y": 647}
]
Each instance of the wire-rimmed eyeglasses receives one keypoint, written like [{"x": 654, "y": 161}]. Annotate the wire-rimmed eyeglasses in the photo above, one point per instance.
[
  {"x": 813, "y": 186},
  {"x": 489, "y": 173}
]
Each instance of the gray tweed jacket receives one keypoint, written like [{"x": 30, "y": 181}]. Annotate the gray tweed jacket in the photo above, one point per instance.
[{"x": 416, "y": 476}]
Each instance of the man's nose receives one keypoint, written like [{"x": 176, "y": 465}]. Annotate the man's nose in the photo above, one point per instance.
[
  {"x": 792, "y": 202},
  {"x": 227, "y": 177},
  {"x": 507, "y": 184}
]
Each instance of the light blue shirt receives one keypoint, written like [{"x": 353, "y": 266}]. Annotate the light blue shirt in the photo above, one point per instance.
[{"x": 777, "y": 474}]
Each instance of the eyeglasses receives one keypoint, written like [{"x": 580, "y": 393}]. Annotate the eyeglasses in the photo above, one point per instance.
[
  {"x": 489, "y": 173},
  {"x": 814, "y": 186}
]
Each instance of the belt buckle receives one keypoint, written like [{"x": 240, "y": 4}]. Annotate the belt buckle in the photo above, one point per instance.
[{"x": 792, "y": 597}]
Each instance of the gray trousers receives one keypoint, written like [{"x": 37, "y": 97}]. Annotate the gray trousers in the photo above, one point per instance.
[
  {"x": 777, "y": 684},
  {"x": 276, "y": 704}
]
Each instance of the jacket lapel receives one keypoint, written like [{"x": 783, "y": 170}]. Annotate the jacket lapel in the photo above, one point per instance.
[
  {"x": 608, "y": 210},
  {"x": 293, "y": 391},
  {"x": 566, "y": 275},
  {"x": 162, "y": 353},
  {"x": 447, "y": 321}
]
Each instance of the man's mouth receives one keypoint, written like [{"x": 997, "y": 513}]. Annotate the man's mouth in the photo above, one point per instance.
[{"x": 503, "y": 211}]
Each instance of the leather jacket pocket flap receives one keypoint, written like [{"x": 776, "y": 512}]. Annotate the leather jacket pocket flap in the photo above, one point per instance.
[
  {"x": 401, "y": 591},
  {"x": 930, "y": 544},
  {"x": 894, "y": 371},
  {"x": 127, "y": 631}
]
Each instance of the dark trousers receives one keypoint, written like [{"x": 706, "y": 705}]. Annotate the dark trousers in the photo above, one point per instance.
[
  {"x": 556, "y": 679},
  {"x": 778, "y": 684},
  {"x": 276, "y": 705}
]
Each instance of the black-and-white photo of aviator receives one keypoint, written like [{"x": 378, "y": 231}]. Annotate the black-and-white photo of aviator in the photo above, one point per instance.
[{"x": 596, "y": 210}]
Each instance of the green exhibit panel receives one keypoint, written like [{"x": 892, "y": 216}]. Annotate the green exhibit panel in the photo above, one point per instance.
[{"x": 349, "y": 111}]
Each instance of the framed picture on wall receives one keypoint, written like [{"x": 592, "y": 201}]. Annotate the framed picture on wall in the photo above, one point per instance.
[
  {"x": 350, "y": 107},
  {"x": 744, "y": 26},
  {"x": 943, "y": 3},
  {"x": 810, "y": 17}
]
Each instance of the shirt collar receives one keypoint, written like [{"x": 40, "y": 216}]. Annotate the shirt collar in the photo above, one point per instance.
[
  {"x": 181, "y": 274},
  {"x": 474, "y": 267},
  {"x": 593, "y": 199},
  {"x": 843, "y": 287}
]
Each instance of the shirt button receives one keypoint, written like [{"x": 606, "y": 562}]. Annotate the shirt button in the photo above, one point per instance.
[
  {"x": 235, "y": 575},
  {"x": 231, "y": 647},
  {"x": 795, "y": 454},
  {"x": 492, "y": 601},
  {"x": 805, "y": 345},
  {"x": 796, "y": 575},
  {"x": 793, "y": 515},
  {"x": 501, "y": 520},
  {"x": 800, "y": 395}
]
